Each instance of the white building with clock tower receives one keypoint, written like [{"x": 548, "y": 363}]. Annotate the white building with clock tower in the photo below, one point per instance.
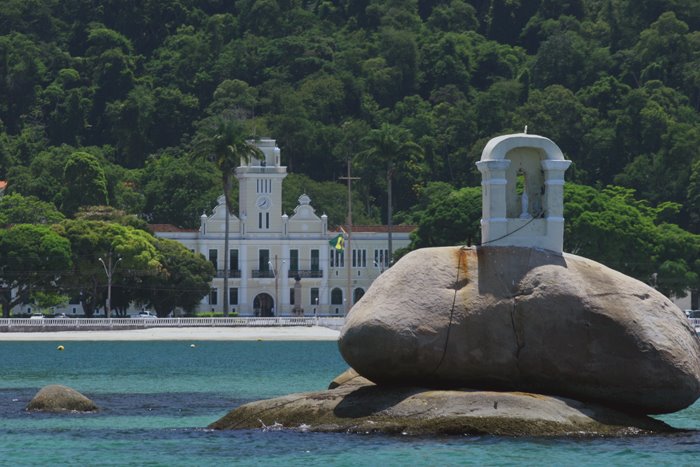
[{"x": 279, "y": 263}]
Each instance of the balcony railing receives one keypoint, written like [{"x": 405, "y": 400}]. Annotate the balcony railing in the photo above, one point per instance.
[
  {"x": 263, "y": 274},
  {"x": 306, "y": 273},
  {"x": 233, "y": 273}
]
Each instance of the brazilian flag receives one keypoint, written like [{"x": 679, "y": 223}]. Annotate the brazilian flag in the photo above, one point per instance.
[{"x": 338, "y": 242}]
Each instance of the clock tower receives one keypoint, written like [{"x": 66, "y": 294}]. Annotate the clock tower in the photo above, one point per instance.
[{"x": 260, "y": 190}]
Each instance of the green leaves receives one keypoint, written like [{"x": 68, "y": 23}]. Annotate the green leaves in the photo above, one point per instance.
[
  {"x": 613, "y": 227},
  {"x": 17, "y": 209},
  {"x": 450, "y": 217},
  {"x": 87, "y": 183},
  {"x": 181, "y": 281},
  {"x": 31, "y": 257}
]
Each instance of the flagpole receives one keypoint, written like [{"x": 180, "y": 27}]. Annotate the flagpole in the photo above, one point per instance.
[{"x": 348, "y": 246}]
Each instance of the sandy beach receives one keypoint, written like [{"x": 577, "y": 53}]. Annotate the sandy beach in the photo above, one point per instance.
[{"x": 300, "y": 333}]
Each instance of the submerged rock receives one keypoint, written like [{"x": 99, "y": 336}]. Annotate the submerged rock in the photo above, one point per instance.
[
  {"x": 366, "y": 408},
  {"x": 524, "y": 319},
  {"x": 58, "y": 398}
]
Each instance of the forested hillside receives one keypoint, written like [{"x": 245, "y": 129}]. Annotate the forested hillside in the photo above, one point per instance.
[
  {"x": 616, "y": 83},
  {"x": 100, "y": 100}
]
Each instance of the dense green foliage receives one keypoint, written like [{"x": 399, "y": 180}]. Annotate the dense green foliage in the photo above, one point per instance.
[
  {"x": 32, "y": 259},
  {"x": 18, "y": 209},
  {"x": 613, "y": 227},
  {"x": 614, "y": 82},
  {"x": 49, "y": 265},
  {"x": 181, "y": 281},
  {"x": 126, "y": 90}
]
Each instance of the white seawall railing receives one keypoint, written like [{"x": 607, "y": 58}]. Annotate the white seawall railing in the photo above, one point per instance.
[{"x": 90, "y": 324}]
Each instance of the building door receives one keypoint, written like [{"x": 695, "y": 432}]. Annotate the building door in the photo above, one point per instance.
[
  {"x": 357, "y": 294},
  {"x": 263, "y": 305}
]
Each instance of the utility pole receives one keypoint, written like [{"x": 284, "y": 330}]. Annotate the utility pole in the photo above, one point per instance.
[
  {"x": 348, "y": 246},
  {"x": 109, "y": 270}
]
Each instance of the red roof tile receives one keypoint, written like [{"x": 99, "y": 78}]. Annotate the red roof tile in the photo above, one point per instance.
[
  {"x": 168, "y": 228},
  {"x": 381, "y": 228}
]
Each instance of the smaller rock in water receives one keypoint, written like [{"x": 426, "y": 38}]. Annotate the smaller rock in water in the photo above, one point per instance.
[{"x": 58, "y": 398}]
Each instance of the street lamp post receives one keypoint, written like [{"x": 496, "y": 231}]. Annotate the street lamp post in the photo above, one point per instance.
[
  {"x": 379, "y": 266},
  {"x": 109, "y": 270}
]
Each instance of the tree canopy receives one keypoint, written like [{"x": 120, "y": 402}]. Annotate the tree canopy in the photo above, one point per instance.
[
  {"x": 615, "y": 83},
  {"x": 33, "y": 258},
  {"x": 94, "y": 110}
]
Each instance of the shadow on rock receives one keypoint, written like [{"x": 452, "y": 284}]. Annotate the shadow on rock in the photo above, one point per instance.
[{"x": 370, "y": 400}]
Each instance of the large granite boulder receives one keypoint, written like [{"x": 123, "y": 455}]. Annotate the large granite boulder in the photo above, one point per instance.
[
  {"x": 524, "y": 319},
  {"x": 58, "y": 398},
  {"x": 365, "y": 408}
]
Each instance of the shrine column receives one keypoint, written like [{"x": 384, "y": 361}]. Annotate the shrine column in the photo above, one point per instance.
[
  {"x": 554, "y": 201},
  {"x": 494, "y": 223}
]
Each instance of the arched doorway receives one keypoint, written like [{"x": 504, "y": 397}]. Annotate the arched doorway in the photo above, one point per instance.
[
  {"x": 336, "y": 296},
  {"x": 263, "y": 305},
  {"x": 357, "y": 294}
]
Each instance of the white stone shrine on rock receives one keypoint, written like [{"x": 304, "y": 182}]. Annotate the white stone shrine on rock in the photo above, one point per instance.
[{"x": 523, "y": 192}]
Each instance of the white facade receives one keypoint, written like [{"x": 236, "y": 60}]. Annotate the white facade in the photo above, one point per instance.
[{"x": 269, "y": 249}]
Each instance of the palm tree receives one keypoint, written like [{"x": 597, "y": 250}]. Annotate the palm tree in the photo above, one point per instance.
[
  {"x": 227, "y": 146},
  {"x": 390, "y": 146}
]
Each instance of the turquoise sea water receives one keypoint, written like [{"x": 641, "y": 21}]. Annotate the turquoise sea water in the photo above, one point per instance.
[{"x": 158, "y": 397}]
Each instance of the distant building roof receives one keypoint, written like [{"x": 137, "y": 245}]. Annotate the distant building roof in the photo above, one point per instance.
[
  {"x": 168, "y": 228},
  {"x": 380, "y": 228},
  {"x": 355, "y": 228},
  {"x": 3, "y": 185}
]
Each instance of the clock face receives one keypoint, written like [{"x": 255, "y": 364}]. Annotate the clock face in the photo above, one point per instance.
[{"x": 263, "y": 202}]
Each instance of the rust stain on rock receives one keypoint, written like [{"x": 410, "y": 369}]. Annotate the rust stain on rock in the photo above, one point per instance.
[{"x": 463, "y": 277}]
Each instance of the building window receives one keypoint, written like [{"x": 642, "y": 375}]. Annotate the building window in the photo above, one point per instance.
[
  {"x": 214, "y": 297},
  {"x": 264, "y": 260},
  {"x": 260, "y": 220},
  {"x": 214, "y": 258},
  {"x": 314, "y": 260},
  {"x": 359, "y": 258},
  {"x": 263, "y": 185},
  {"x": 381, "y": 258},
  {"x": 267, "y": 220},
  {"x": 339, "y": 258},
  {"x": 233, "y": 260},
  {"x": 293, "y": 260},
  {"x": 336, "y": 296},
  {"x": 233, "y": 295},
  {"x": 291, "y": 296},
  {"x": 314, "y": 295}
]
